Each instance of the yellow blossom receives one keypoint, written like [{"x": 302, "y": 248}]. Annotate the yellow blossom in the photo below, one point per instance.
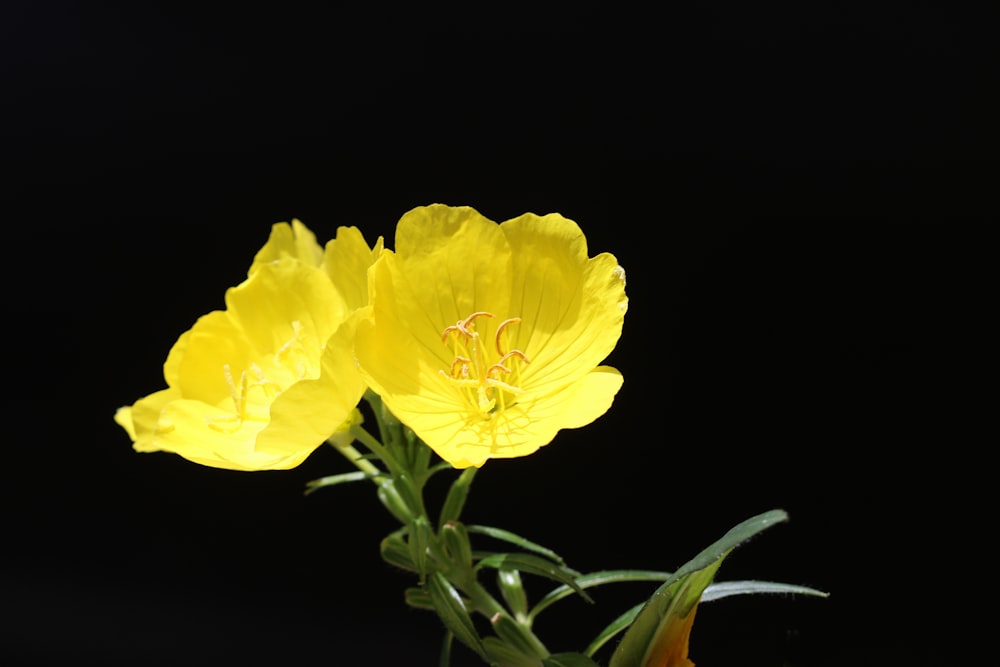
[
  {"x": 486, "y": 338},
  {"x": 263, "y": 383}
]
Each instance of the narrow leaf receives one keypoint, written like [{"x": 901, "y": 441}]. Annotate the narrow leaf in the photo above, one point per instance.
[
  {"x": 660, "y": 629},
  {"x": 454, "y": 502},
  {"x": 417, "y": 543},
  {"x": 456, "y": 541},
  {"x": 418, "y": 598},
  {"x": 596, "y": 579},
  {"x": 451, "y": 609},
  {"x": 512, "y": 590},
  {"x": 568, "y": 660},
  {"x": 613, "y": 629},
  {"x": 535, "y": 565},
  {"x": 517, "y": 635},
  {"x": 507, "y": 536},
  {"x": 332, "y": 480},
  {"x": 724, "y": 589},
  {"x": 445, "y": 659},
  {"x": 388, "y": 495},
  {"x": 501, "y": 653},
  {"x": 395, "y": 551},
  {"x": 734, "y": 537},
  {"x": 666, "y": 616}
]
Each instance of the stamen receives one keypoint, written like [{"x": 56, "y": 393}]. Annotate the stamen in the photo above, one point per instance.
[
  {"x": 472, "y": 371},
  {"x": 497, "y": 368},
  {"x": 514, "y": 353},
  {"x": 465, "y": 327},
  {"x": 500, "y": 328},
  {"x": 239, "y": 396},
  {"x": 461, "y": 365}
]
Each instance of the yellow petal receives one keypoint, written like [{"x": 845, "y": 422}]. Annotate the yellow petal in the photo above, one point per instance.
[
  {"x": 586, "y": 399},
  {"x": 395, "y": 358},
  {"x": 140, "y": 420},
  {"x": 454, "y": 262},
  {"x": 346, "y": 261},
  {"x": 572, "y": 306},
  {"x": 311, "y": 410},
  {"x": 213, "y": 437},
  {"x": 294, "y": 241},
  {"x": 282, "y": 301}
]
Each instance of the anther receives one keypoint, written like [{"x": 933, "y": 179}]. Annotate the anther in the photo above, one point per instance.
[
  {"x": 501, "y": 327},
  {"x": 464, "y": 327},
  {"x": 514, "y": 353},
  {"x": 460, "y": 367}
]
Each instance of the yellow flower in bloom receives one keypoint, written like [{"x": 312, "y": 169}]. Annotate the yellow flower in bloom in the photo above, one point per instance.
[
  {"x": 485, "y": 338},
  {"x": 263, "y": 383}
]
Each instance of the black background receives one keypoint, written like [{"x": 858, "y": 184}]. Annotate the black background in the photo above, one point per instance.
[{"x": 800, "y": 194}]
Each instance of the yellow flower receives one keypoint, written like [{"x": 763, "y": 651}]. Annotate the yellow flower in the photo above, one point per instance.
[
  {"x": 265, "y": 382},
  {"x": 485, "y": 338}
]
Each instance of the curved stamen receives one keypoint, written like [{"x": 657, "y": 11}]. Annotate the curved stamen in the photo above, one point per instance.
[
  {"x": 471, "y": 369},
  {"x": 514, "y": 353},
  {"x": 465, "y": 327},
  {"x": 500, "y": 328},
  {"x": 460, "y": 367}
]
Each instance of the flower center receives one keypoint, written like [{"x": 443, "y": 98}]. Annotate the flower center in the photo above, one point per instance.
[
  {"x": 488, "y": 382},
  {"x": 254, "y": 391}
]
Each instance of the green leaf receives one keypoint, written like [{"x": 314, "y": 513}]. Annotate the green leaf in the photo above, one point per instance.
[
  {"x": 410, "y": 493},
  {"x": 507, "y": 536},
  {"x": 396, "y": 551},
  {"x": 724, "y": 589},
  {"x": 596, "y": 579},
  {"x": 332, "y": 480},
  {"x": 499, "y": 653},
  {"x": 675, "y": 599},
  {"x": 452, "y": 612},
  {"x": 451, "y": 510},
  {"x": 417, "y": 543},
  {"x": 516, "y": 635},
  {"x": 669, "y": 607},
  {"x": 512, "y": 590},
  {"x": 418, "y": 598},
  {"x": 568, "y": 660},
  {"x": 456, "y": 541},
  {"x": 388, "y": 495},
  {"x": 613, "y": 629},
  {"x": 445, "y": 659},
  {"x": 715, "y": 591},
  {"x": 534, "y": 565}
]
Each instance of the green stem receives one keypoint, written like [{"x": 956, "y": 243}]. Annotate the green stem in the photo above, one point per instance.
[
  {"x": 462, "y": 575},
  {"x": 377, "y": 448},
  {"x": 355, "y": 457}
]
